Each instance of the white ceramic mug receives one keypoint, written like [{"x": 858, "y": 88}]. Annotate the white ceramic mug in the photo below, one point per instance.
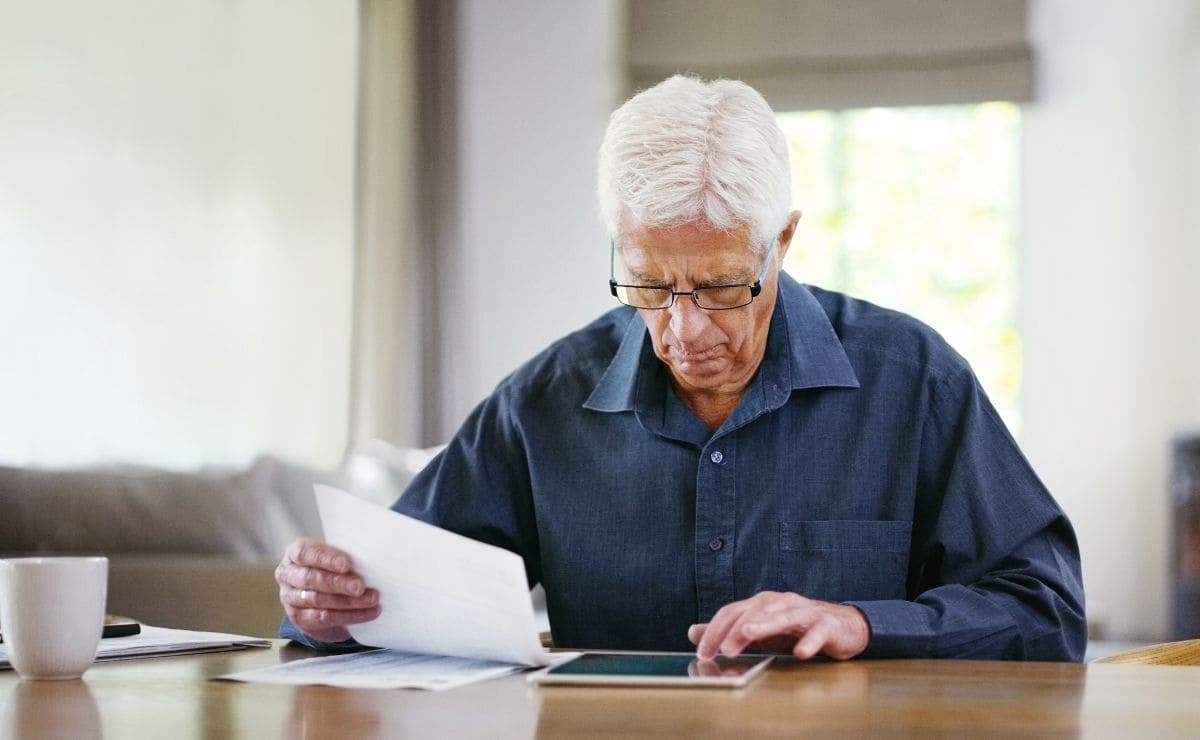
[{"x": 52, "y": 610}]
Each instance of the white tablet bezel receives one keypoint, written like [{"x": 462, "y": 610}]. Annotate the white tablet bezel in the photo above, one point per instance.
[{"x": 547, "y": 677}]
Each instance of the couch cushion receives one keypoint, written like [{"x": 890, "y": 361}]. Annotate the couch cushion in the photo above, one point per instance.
[
  {"x": 124, "y": 509},
  {"x": 380, "y": 472},
  {"x": 128, "y": 509},
  {"x": 198, "y": 592}
]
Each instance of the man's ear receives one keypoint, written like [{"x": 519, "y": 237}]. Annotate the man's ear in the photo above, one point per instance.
[{"x": 785, "y": 236}]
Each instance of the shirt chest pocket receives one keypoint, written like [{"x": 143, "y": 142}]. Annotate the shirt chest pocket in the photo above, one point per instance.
[{"x": 844, "y": 560}]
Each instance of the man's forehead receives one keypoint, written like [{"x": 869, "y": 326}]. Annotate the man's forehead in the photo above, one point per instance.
[
  {"x": 689, "y": 232},
  {"x": 736, "y": 258},
  {"x": 730, "y": 255}
]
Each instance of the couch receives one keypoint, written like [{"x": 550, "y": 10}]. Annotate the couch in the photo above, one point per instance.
[{"x": 194, "y": 550}]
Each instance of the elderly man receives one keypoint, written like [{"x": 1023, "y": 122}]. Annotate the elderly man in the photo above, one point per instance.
[{"x": 731, "y": 459}]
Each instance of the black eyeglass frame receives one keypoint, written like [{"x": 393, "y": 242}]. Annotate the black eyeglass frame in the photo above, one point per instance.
[{"x": 755, "y": 287}]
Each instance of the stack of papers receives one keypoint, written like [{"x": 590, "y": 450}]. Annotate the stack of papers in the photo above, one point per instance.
[
  {"x": 439, "y": 592},
  {"x": 453, "y": 610},
  {"x": 152, "y": 641},
  {"x": 380, "y": 669}
]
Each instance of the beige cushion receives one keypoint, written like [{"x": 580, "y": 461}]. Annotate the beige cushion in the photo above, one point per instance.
[
  {"x": 132, "y": 509},
  {"x": 200, "y": 592}
]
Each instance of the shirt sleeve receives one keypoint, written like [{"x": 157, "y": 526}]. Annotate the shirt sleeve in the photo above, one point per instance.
[
  {"x": 995, "y": 568},
  {"x": 479, "y": 486},
  {"x": 288, "y": 631}
]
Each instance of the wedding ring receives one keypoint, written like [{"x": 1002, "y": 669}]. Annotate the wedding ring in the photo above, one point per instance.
[{"x": 306, "y": 597}]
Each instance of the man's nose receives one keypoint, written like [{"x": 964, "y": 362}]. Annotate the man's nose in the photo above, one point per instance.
[{"x": 688, "y": 320}]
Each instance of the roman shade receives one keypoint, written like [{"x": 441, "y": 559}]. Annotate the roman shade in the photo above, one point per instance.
[{"x": 804, "y": 54}]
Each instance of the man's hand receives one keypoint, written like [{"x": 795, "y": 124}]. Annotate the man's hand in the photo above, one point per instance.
[
  {"x": 780, "y": 622},
  {"x": 320, "y": 591}
]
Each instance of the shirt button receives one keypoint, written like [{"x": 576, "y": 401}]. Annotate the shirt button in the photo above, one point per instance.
[
  {"x": 716, "y": 543},
  {"x": 716, "y": 457}
]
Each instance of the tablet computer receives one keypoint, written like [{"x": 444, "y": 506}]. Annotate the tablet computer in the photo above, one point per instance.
[{"x": 654, "y": 669}]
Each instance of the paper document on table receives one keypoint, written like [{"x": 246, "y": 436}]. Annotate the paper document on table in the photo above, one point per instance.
[
  {"x": 439, "y": 592},
  {"x": 379, "y": 669},
  {"x": 155, "y": 641}
]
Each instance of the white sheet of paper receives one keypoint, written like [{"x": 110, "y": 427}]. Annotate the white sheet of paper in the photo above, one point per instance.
[
  {"x": 155, "y": 641},
  {"x": 379, "y": 669},
  {"x": 440, "y": 593}
]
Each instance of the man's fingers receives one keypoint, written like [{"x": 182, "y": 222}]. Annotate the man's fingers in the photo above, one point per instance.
[
  {"x": 813, "y": 641},
  {"x": 758, "y": 626},
  {"x": 316, "y": 620},
  {"x": 317, "y": 554},
  {"x": 716, "y": 630},
  {"x": 306, "y": 598},
  {"x": 290, "y": 574},
  {"x": 735, "y": 642},
  {"x": 783, "y": 621},
  {"x": 321, "y": 593},
  {"x": 719, "y": 636},
  {"x": 311, "y": 563},
  {"x": 763, "y": 626},
  {"x": 329, "y": 625}
]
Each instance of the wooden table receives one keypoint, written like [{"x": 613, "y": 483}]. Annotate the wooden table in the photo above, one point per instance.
[{"x": 173, "y": 698}]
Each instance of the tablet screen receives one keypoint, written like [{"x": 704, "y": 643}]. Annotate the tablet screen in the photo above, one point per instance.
[{"x": 664, "y": 669}]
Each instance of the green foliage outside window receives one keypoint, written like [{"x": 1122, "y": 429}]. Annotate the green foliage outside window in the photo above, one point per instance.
[{"x": 916, "y": 209}]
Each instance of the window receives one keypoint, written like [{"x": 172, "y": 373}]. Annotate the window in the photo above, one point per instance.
[{"x": 916, "y": 209}]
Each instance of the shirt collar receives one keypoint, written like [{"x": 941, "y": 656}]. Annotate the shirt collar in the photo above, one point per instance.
[
  {"x": 803, "y": 351},
  {"x": 617, "y": 389},
  {"x": 815, "y": 354}
]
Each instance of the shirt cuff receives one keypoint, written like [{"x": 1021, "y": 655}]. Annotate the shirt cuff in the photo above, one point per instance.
[
  {"x": 289, "y": 631},
  {"x": 899, "y": 629}
]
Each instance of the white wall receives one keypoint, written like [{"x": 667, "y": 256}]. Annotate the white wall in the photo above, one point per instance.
[
  {"x": 529, "y": 263},
  {"x": 176, "y": 184},
  {"x": 1110, "y": 283}
]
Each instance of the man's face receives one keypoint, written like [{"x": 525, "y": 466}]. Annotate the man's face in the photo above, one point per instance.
[{"x": 706, "y": 351}]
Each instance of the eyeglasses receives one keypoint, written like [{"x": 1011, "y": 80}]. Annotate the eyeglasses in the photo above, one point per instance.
[{"x": 708, "y": 297}]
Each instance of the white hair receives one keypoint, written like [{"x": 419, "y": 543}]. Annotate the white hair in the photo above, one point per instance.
[{"x": 690, "y": 151}]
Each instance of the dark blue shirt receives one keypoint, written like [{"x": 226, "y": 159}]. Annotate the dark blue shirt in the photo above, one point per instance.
[{"x": 864, "y": 464}]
